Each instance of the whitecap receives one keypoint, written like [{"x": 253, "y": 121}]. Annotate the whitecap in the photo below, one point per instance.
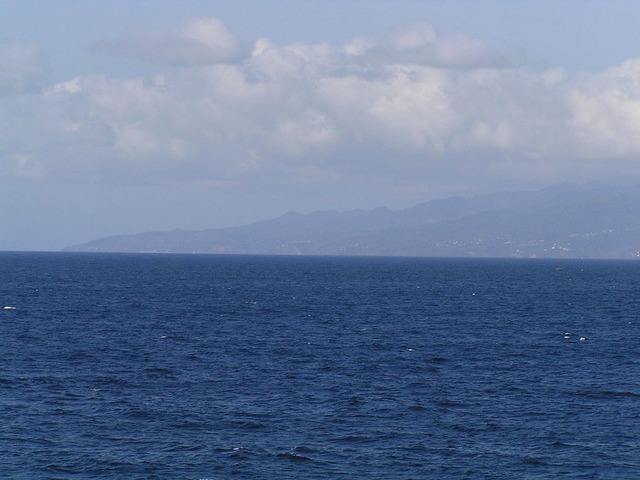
[{"x": 10, "y": 308}]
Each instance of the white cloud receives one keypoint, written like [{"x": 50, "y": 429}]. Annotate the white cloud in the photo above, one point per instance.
[
  {"x": 414, "y": 108},
  {"x": 71, "y": 86},
  {"x": 201, "y": 41},
  {"x": 606, "y": 113},
  {"x": 414, "y": 36},
  {"x": 419, "y": 43}
]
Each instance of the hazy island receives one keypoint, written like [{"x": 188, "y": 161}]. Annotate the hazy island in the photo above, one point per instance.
[{"x": 565, "y": 221}]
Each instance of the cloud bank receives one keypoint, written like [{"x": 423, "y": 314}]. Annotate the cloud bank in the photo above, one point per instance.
[{"x": 414, "y": 108}]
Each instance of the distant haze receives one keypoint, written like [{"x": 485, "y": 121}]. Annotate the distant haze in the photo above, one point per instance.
[{"x": 124, "y": 117}]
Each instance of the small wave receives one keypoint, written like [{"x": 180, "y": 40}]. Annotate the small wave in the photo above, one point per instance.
[
  {"x": 356, "y": 400},
  {"x": 114, "y": 381},
  {"x": 8, "y": 307},
  {"x": 244, "y": 413},
  {"x": 191, "y": 425},
  {"x": 612, "y": 394},
  {"x": 354, "y": 439},
  {"x": 439, "y": 360},
  {"x": 473, "y": 429},
  {"x": 249, "y": 425},
  {"x": 534, "y": 461},
  {"x": 624, "y": 393},
  {"x": 235, "y": 453},
  {"x": 57, "y": 468},
  {"x": 294, "y": 456},
  {"x": 137, "y": 413},
  {"x": 7, "y": 382},
  {"x": 157, "y": 372},
  {"x": 449, "y": 404}
]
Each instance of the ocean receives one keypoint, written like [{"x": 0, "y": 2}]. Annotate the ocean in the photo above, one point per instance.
[{"x": 195, "y": 367}]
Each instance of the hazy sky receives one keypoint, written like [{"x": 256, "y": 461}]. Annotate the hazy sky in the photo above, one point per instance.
[{"x": 123, "y": 116}]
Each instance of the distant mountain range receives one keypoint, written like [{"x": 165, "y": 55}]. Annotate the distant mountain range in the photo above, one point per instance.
[{"x": 565, "y": 221}]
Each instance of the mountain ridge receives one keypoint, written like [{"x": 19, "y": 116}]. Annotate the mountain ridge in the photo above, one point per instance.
[{"x": 564, "y": 221}]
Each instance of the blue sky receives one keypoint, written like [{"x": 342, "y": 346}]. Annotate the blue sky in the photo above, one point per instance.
[{"x": 129, "y": 116}]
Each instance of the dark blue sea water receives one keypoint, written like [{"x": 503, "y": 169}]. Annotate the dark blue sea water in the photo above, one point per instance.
[{"x": 241, "y": 367}]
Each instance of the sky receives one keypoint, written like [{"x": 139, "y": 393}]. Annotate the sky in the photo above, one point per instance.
[{"x": 126, "y": 116}]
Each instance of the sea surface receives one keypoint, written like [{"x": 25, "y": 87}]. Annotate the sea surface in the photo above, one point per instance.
[{"x": 256, "y": 367}]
